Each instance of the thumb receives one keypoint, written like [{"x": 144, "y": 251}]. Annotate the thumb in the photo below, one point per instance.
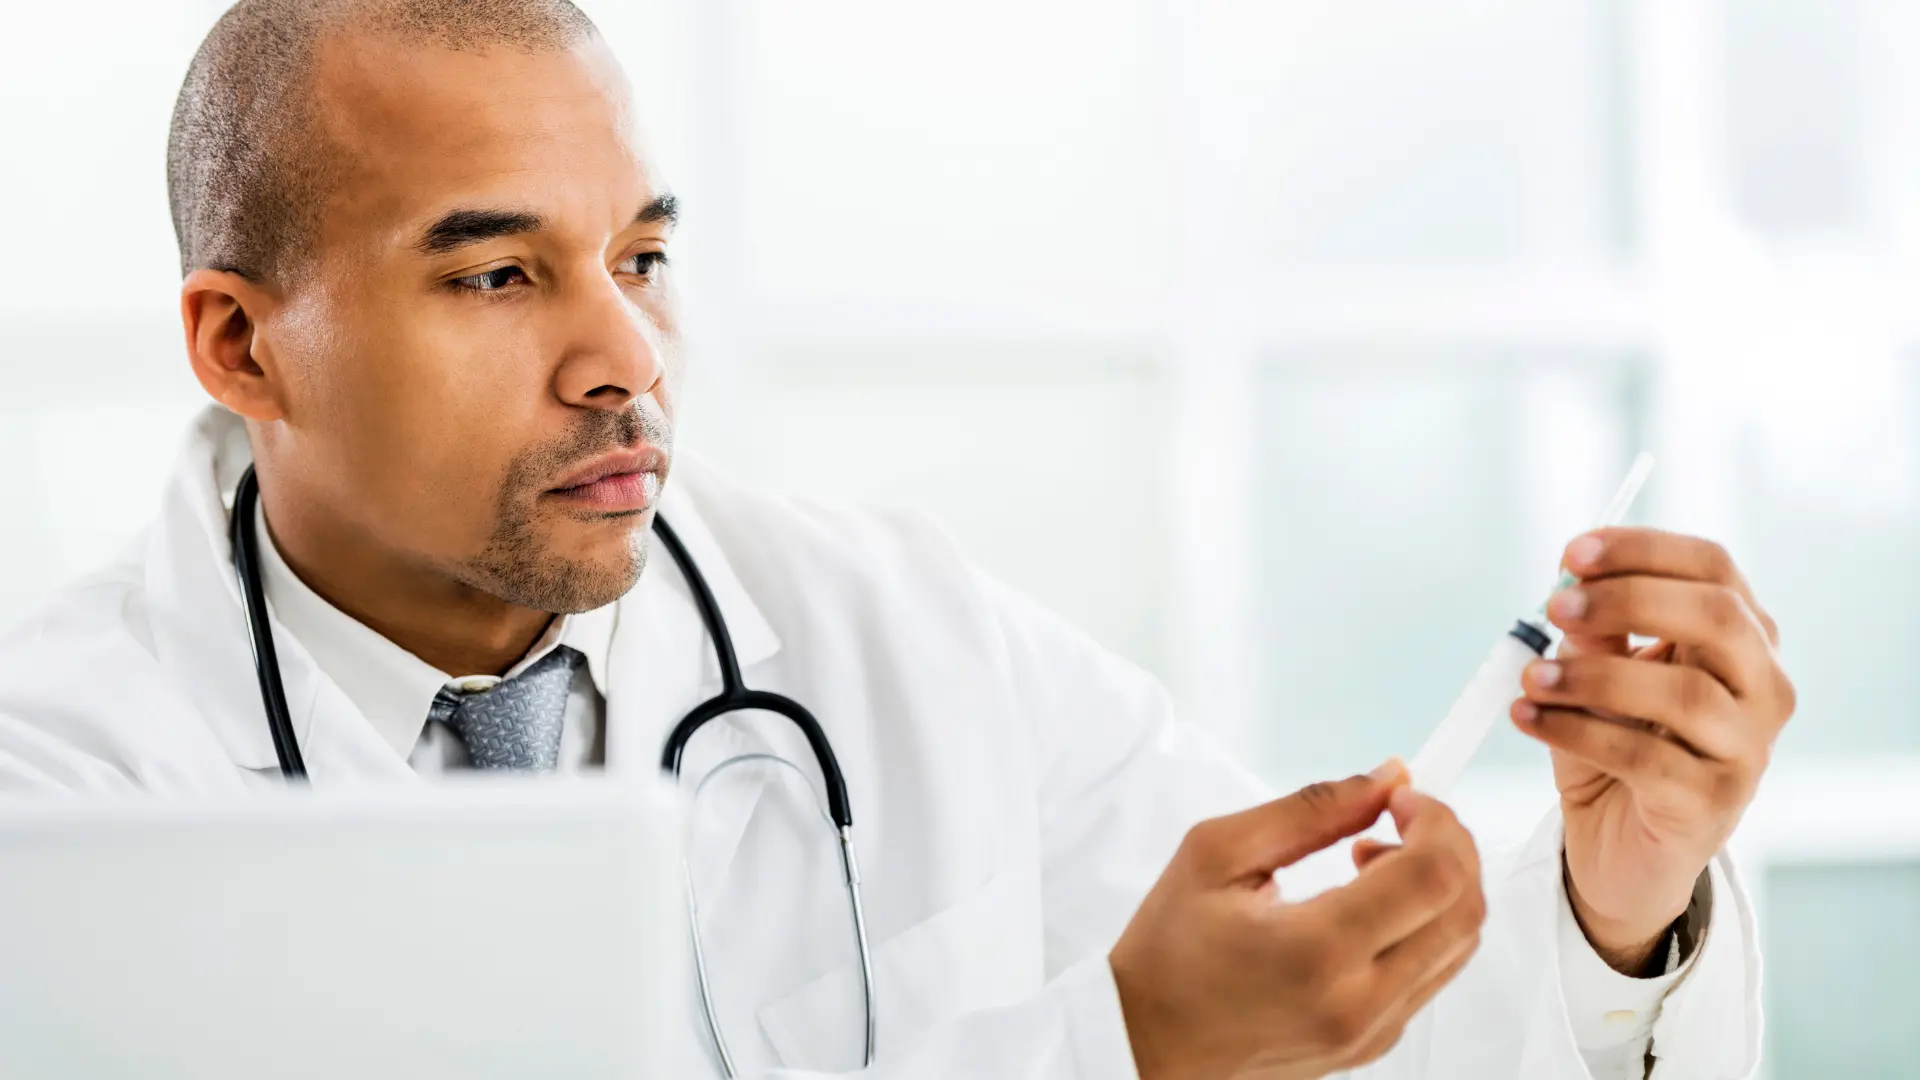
[{"x": 1286, "y": 830}]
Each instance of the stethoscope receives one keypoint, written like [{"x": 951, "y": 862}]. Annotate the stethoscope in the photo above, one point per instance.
[{"x": 733, "y": 697}]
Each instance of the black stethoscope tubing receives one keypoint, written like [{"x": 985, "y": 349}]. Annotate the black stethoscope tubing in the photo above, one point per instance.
[
  {"x": 734, "y": 696},
  {"x": 253, "y": 601}
]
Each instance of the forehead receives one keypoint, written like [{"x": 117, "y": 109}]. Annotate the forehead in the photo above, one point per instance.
[{"x": 411, "y": 130}]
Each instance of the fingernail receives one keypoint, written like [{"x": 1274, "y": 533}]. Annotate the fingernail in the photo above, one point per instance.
[
  {"x": 1544, "y": 673},
  {"x": 1525, "y": 712},
  {"x": 1567, "y": 604},
  {"x": 1585, "y": 552},
  {"x": 1388, "y": 771}
]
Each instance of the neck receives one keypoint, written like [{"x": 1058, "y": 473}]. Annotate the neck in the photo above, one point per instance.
[{"x": 449, "y": 624}]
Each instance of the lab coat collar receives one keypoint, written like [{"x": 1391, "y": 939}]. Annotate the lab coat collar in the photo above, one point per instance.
[{"x": 200, "y": 630}]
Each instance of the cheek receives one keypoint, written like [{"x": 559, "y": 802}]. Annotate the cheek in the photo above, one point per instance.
[
  {"x": 459, "y": 372},
  {"x": 430, "y": 415}
]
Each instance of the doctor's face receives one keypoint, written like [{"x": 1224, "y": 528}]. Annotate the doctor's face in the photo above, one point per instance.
[{"x": 477, "y": 368}]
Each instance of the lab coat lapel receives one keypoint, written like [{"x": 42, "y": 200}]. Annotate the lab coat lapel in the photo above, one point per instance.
[
  {"x": 200, "y": 629},
  {"x": 662, "y": 664},
  {"x": 1536, "y": 911}
]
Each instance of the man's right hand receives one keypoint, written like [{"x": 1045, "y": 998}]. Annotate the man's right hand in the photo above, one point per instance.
[{"x": 1217, "y": 980}]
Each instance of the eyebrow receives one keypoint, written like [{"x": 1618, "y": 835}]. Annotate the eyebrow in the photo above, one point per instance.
[
  {"x": 665, "y": 208},
  {"x": 458, "y": 228}
]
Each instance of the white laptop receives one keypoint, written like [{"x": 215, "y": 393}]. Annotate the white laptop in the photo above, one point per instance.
[{"x": 489, "y": 928}]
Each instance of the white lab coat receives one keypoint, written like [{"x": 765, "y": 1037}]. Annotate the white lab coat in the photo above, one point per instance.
[{"x": 1016, "y": 789}]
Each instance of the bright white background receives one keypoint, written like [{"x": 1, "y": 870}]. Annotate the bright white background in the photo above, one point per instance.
[{"x": 1280, "y": 344}]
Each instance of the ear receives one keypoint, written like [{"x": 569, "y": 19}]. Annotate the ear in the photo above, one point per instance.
[{"x": 222, "y": 312}]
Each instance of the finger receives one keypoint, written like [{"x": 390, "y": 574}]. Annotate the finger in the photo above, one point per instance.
[
  {"x": 1410, "y": 974},
  {"x": 1713, "y": 619},
  {"x": 1413, "y": 963},
  {"x": 1595, "y": 645},
  {"x": 1394, "y": 1023},
  {"x": 1405, "y": 978},
  {"x": 1403, "y": 890},
  {"x": 1423, "y": 819},
  {"x": 1439, "y": 980},
  {"x": 1259, "y": 841},
  {"x": 1366, "y": 850},
  {"x": 1687, "y": 701},
  {"x": 1659, "y": 652},
  {"x": 1393, "y": 898},
  {"x": 1655, "y": 767},
  {"x": 1620, "y": 551}
]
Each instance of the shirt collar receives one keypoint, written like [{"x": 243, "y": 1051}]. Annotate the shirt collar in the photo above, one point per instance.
[{"x": 390, "y": 686}]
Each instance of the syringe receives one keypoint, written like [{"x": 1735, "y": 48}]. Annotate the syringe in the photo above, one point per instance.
[{"x": 1490, "y": 694}]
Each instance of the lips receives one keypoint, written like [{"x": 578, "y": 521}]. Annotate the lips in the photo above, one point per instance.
[
  {"x": 624, "y": 481},
  {"x": 641, "y": 460}
]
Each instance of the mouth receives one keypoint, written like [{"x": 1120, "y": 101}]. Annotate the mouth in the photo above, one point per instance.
[{"x": 622, "y": 482}]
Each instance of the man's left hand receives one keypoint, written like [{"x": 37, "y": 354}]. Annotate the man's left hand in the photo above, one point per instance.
[{"x": 1656, "y": 751}]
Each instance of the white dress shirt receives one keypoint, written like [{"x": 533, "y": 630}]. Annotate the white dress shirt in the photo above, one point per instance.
[{"x": 1613, "y": 1015}]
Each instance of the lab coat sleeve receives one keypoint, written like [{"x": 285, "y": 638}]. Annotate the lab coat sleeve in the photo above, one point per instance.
[
  {"x": 1508, "y": 1014},
  {"x": 22, "y": 770},
  {"x": 60, "y": 751},
  {"x": 57, "y": 666},
  {"x": 1710, "y": 1022},
  {"x": 1613, "y": 1014}
]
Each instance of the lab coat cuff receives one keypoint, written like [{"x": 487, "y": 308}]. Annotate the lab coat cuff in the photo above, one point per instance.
[
  {"x": 1608, "y": 1010},
  {"x": 1096, "y": 1027},
  {"x": 1708, "y": 1024}
]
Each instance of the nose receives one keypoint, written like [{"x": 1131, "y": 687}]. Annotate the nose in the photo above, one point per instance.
[{"x": 612, "y": 353}]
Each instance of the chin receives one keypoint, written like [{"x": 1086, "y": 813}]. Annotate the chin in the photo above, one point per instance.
[
  {"x": 568, "y": 579},
  {"x": 597, "y": 582}
]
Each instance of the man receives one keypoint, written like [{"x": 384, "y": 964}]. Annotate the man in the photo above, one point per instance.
[{"x": 426, "y": 281}]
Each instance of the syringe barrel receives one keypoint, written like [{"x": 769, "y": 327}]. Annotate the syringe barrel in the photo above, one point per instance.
[{"x": 1488, "y": 698}]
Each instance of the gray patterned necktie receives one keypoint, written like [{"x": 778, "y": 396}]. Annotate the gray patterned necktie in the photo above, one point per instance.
[{"x": 517, "y": 724}]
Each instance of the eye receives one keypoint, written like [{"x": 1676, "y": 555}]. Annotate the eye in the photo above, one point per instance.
[
  {"x": 643, "y": 264},
  {"x": 492, "y": 280}
]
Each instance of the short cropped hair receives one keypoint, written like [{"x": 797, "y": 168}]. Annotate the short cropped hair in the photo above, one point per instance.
[{"x": 247, "y": 172}]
